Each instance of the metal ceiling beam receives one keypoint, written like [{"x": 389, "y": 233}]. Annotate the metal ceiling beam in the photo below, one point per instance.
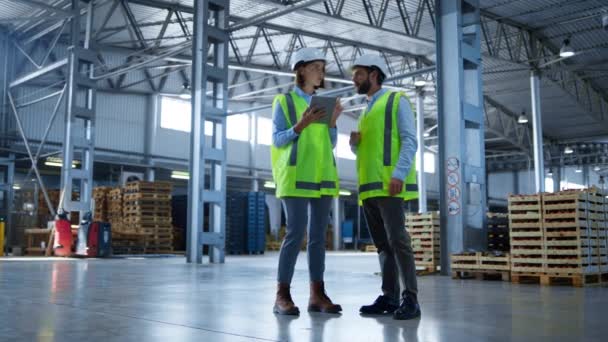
[
  {"x": 517, "y": 43},
  {"x": 272, "y": 15},
  {"x": 44, "y": 6}
]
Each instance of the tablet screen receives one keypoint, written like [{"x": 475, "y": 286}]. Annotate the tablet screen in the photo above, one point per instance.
[{"x": 327, "y": 103}]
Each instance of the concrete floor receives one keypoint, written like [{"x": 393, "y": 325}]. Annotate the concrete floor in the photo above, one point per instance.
[{"x": 165, "y": 299}]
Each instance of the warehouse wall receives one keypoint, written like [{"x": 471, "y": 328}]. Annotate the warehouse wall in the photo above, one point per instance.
[{"x": 501, "y": 184}]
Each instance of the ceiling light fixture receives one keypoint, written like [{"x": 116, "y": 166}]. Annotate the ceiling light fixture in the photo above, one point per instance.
[
  {"x": 596, "y": 168},
  {"x": 185, "y": 94},
  {"x": 568, "y": 150},
  {"x": 419, "y": 82},
  {"x": 58, "y": 162},
  {"x": 522, "y": 119},
  {"x": 345, "y": 193},
  {"x": 180, "y": 175},
  {"x": 566, "y": 50}
]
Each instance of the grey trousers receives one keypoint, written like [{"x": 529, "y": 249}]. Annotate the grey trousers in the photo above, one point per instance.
[
  {"x": 386, "y": 221},
  {"x": 296, "y": 209}
]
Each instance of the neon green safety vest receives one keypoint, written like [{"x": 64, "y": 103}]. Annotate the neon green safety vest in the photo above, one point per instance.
[
  {"x": 378, "y": 150},
  {"x": 306, "y": 166}
]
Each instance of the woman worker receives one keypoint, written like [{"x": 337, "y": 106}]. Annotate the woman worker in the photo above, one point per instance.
[{"x": 304, "y": 170}]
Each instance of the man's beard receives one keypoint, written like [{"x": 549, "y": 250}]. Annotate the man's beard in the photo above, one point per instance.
[{"x": 364, "y": 87}]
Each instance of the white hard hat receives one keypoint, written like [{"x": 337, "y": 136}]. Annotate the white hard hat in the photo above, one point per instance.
[
  {"x": 370, "y": 61},
  {"x": 306, "y": 55}
]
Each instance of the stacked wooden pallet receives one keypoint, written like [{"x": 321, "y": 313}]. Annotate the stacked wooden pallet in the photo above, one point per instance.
[
  {"x": 100, "y": 197},
  {"x": 598, "y": 219},
  {"x": 481, "y": 265},
  {"x": 425, "y": 235},
  {"x": 129, "y": 243},
  {"x": 115, "y": 215},
  {"x": 526, "y": 234},
  {"x": 147, "y": 210},
  {"x": 572, "y": 248},
  {"x": 572, "y": 244}
]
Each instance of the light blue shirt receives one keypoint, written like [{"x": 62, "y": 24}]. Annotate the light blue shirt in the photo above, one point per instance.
[
  {"x": 407, "y": 133},
  {"x": 281, "y": 135}
]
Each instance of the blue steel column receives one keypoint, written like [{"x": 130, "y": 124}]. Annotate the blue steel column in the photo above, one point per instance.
[
  {"x": 7, "y": 168},
  {"x": 209, "y": 103},
  {"x": 420, "y": 161},
  {"x": 461, "y": 128},
  {"x": 557, "y": 178},
  {"x": 79, "y": 136}
]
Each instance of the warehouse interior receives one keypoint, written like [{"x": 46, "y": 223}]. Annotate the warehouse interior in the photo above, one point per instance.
[{"x": 108, "y": 104}]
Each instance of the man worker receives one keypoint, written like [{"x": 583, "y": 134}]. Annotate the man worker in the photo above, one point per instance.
[{"x": 385, "y": 145}]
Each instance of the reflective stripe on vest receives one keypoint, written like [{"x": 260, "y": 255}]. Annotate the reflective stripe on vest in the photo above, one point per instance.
[
  {"x": 291, "y": 109},
  {"x": 378, "y": 186},
  {"x": 388, "y": 133},
  {"x": 315, "y": 186}
]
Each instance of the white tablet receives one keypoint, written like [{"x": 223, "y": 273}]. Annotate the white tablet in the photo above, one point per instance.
[{"x": 327, "y": 103}]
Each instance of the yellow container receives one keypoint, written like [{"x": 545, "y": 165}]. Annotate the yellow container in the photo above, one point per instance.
[{"x": 1, "y": 238}]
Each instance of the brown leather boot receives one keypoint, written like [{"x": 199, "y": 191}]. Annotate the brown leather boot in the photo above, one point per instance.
[
  {"x": 319, "y": 302},
  {"x": 284, "y": 305}
]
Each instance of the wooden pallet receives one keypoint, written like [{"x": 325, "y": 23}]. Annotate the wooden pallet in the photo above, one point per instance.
[
  {"x": 576, "y": 280},
  {"x": 429, "y": 216},
  {"x": 146, "y": 212},
  {"x": 148, "y": 196},
  {"x": 371, "y": 249},
  {"x": 143, "y": 186},
  {"x": 465, "y": 261},
  {"x": 153, "y": 219},
  {"x": 427, "y": 270},
  {"x": 481, "y": 274},
  {"x": 273, "y": 246}
]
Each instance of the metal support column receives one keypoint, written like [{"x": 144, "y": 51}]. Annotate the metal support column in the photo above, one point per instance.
[
  {"x": 537, "y": 131},
  {"x": 79, "y": 139},
  {"x": 557, "y": 179},
  {"x": 461, "y": 128},
  {"x": 7, "y": 179},
  {"x": 209, "y": 103},
  {"x": 150, "y": 135},
  {"x": 586, "y": 180},
  {"x": 420, "y": 162}
]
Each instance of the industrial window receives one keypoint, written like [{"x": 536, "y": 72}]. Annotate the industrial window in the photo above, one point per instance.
[
  {"x": 264, "y": 131},
  {"x": 429, "y": 162},
  {"x": 549, "y": 184},
  {"x": 237, "y": 127},
  {"x": 343, "y": 148},
  {"x": 176, "y": 114}
]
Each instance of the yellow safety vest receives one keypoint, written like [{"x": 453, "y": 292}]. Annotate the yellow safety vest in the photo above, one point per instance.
[
  {"x": 378, "y": 150},
  {"x": 305, "y": 167}
]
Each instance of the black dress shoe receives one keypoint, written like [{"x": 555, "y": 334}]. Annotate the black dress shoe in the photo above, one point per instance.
[
  {"x": 382, "y": 305},
  {"x": 409, "y": 309}
]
